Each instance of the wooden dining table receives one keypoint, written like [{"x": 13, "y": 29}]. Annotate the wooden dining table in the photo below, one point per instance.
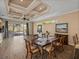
[{"x": 42, "y": 42}]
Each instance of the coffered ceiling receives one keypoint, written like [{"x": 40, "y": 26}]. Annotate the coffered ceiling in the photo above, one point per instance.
[
  {"x": 41, "y": 7},
  {"x": 35, "y": 10},
  {"x": 12, "y": 12},
  {"x": 25, "y": 8},
  {"x": 23, "y": 3}
]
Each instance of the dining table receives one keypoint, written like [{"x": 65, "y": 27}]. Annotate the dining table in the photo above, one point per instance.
[{"x": 42, "y": 42}]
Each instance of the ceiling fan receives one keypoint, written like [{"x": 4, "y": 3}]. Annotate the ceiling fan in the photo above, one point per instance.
[{"x": 24, "y": 18}]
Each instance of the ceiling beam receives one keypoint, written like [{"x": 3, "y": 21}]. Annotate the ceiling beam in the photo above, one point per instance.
[{"x": 23, "y": 10}]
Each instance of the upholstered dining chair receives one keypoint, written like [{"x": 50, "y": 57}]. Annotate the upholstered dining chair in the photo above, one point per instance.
[
  {"x": 51, "y": 50},
  {"x": 31, "y": 49}
]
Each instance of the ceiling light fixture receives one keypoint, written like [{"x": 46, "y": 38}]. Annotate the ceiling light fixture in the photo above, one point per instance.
[
  {"x": 40, "y": 8},
  {"x": 21, "y": 0}
]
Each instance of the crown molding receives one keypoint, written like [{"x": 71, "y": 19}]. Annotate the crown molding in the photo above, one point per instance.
[
  {"x": 53, "y": 15},
  {"x": 76, "y": 10}
]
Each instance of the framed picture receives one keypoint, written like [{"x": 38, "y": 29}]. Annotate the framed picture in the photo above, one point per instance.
[
  {"x": 62, "y": 27},
  {"x": 39, "y": 28}
]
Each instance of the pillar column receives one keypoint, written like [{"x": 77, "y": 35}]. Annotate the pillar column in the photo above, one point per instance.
[
  {"x": 27, "y": 28},
  {"x": 6, "y": 30}
]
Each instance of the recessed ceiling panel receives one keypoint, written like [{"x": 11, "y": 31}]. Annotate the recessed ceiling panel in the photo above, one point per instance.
[
  {"x": 23, "y": 3},
  {"x": 15, "y": 14},
  {"x": 40, "y": 8},
  {"x": 32, "y": 13}
]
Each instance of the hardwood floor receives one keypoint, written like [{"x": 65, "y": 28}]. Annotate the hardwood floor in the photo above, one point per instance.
[{"x": 14, "y": 48}]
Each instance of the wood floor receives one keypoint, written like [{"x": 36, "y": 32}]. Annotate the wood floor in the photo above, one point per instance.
[{"x": 14, "y": 48}]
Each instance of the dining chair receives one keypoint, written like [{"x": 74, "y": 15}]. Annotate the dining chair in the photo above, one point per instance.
[
  {"x": 76, "y": 37},
  {"x": 43, "y": 35},
  {"x": 74, "y": 40},
  {"x": 59, "y": 43},
  {"x": 35, "y": 36},
  {"x": 50, "y": 49},
  {"x": 31, "y": 49}
]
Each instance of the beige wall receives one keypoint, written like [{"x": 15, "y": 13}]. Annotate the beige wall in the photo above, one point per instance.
[
  {"x": 50, "y": 28},
  {"x": 45, "y": 27},
  {"x": 73, "y": 25}
]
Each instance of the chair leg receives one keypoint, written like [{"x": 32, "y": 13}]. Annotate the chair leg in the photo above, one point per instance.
[
  {"x": 54, "y": 54},
  {"x": 29, "y": 56},
  {"x": 49, "y": 57},
  {"x": 63, "y": 48}
]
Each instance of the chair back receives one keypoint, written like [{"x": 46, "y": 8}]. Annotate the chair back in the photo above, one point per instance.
[
  {"x": 28, "y": 46},
  {"x": 76, "y": 37},
  {"x": 43, "y": 35},
  {"x": 62, "y": 40},
  {"x": 52, "y": 46},
  {"x": 35, "y": 36},
  {"x": 74, "y": 40}
]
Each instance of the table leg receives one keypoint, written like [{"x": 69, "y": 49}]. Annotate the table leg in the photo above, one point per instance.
[{"x": 41, "y": 50}]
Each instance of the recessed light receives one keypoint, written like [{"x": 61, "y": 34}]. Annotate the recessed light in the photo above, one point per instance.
[
  {"x": 40, "y": 8},
  {"x": 21, "y": 0}
]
